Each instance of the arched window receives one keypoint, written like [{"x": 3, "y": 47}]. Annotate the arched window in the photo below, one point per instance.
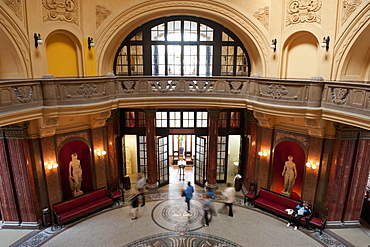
[{"x": 181, "y": 46}]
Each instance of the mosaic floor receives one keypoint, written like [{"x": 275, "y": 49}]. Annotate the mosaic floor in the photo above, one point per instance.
[{"x": 182, "y": 227}]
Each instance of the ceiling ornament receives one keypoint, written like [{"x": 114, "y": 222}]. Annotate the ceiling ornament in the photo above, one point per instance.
[
  {"x": 60, "y": 10},
  {"x": 301, "y": 11}
]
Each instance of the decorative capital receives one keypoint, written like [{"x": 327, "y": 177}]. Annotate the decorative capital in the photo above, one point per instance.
[{"x": 14, "y": 131}]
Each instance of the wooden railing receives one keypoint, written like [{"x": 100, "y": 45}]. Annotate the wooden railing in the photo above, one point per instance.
[{"x": 329, "y": 98}]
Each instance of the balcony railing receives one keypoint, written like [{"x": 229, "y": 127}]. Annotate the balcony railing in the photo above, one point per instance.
[{"x": 265, "y": 95}]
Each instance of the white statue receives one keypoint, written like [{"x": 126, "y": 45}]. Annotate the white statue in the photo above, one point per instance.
[
  {"x": 289, "y": 174},
  {"x": 75, "y": 175}
]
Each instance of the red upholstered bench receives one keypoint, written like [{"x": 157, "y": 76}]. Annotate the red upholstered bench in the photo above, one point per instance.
[
  {"x": 81, "y": 206},
  {"x": 276, "y": 203}
]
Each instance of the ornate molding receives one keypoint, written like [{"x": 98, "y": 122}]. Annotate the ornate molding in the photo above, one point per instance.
[
  {"x": 280, "y": 134},
  {"x": 339, "y": 95},
  {"x": 300, "y": 11},
  {"x": 346, "y": 132},
  {"x": 15, "y": 6},
  {"x": 49, "y": 127},
  {"x": 348, "y": 7},
  {"x": 15, "y": 131},
  {"x": 87, "y": 89},
  {"x": 60, "y": 10},
  {"x": 99, "y": 120},
  {"x": 163, "y": 86},
  {"x": 201, "y": 86},
  {"x": 277, "y": 91},
  {"x": 264, "y": 120},
  {"x": 263, "y": 15},
  {"x": 236, "y": 87},
  {"x": 102, "y": 13},
  {"x": 128, "y": 86},
  {"x": 24, "y": 94}
]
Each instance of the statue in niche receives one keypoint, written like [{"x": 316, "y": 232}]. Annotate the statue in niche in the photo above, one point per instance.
[
  {"x": 75, "y": 176},
  {"x": 290, "y": 174}
]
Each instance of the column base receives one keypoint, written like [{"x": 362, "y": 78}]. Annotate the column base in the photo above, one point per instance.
[
  {"x": 152, "y": 187},
  {"x": 21, "y": 225},
  {"x": 352, "y": 223},
  {"x": 10, "y": 225},
  {"x": 334, "y": 224},
  {"x": 31, "y": 225},
  {"x": 211, "y": 186}
]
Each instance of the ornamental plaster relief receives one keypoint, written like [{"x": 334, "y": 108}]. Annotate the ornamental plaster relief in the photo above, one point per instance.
[
  {"x": 303, "y": 11},
  {"x": 15, "y": 6},
  {"x": 102, "y": 13},
  {"x": 348, "y": 7},
  {"x": 61, "y": 10},
  {"x": 263, "y": 15}
]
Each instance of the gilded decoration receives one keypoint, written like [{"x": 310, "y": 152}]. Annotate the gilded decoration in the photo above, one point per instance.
[
  {"x": 24, "y": 94},
  {"x": 61, "y": 10},
  {"x": 15, "y": 6},
  {"x": 339, "y": 95},
  {"x": 236, "y": 87},
  {"x": 301, "y": 11},
  {"x": 87, "y": 89},
  {"x": 348, "y": 7},
  {"x": 102, "y": 13},
  {"x": 277, "y": 91},
  {"x": 263, "y": 15}
]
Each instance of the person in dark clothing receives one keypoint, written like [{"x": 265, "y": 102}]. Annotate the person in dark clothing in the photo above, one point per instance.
[{"x": 301, "y": 210}]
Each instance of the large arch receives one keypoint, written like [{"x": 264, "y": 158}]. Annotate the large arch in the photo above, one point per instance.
[{"x": 241, "y": 24}]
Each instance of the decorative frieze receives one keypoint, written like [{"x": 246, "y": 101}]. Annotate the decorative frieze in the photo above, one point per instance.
[
  {"x": 24, "y": 94},
  {"x": 61, "y": 10},
  {"x": 348, "y": 7},
  {"x": 303, "y": 11},
  {"x": 201, "y": 86},
  {"x": 15, "y": 131},
  {"x": 102, "y": 13},
  {"x": 128, "y": 86},
  {"x": 288, "y": 135},
  {"x": 263, "y": 15},
  {"x": 236, "y": 87},
  {"x": 15, "y": 6}
]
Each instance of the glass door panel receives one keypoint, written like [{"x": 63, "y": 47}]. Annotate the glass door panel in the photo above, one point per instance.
[
  {"x": 200, "y": 161},
  {"x": 163, "y": 174}
]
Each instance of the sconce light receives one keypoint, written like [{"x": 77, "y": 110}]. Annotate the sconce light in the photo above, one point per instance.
[
  {"x": 50, "y": 165},
  {"x": 100, "y": 152},
  {"x": 273, "y": 44},
  {"x": 325, "y": 43},
  {"x": 312, "y": 165},
  {"x": 38, "y": 40},
  {"x": 263, "y": 153},
  {"x": 90, "y": 43}
]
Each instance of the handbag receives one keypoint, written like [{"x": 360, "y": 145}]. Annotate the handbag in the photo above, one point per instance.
[{"x": 183, "y": 193}]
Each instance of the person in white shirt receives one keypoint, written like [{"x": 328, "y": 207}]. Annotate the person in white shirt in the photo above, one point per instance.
[{"x": 229, "y": 196}]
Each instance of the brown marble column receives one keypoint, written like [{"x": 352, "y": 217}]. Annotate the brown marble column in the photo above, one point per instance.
[
  {"x": 8, "y": 199},
  {"x": 352, "y": 211},
  {"x": 339, "y": 180},
  {"x": 214, "y": 115},
  {"x": 151, "y": 149},
  {"x": 23, "y": 179}
]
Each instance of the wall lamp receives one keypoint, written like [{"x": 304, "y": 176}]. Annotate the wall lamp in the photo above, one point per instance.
[
  {"x": 273, "y": 44},
  {"x": 90, "y": 43},
  {"x": 325, "y": 43},
  {"x": 50, "y": 165},
  {"x": 38, "y": 40},
  {"x": 313, "y": 165},
  {"x": 100, "y": 152},
  {"x": 263, "y": 153}
]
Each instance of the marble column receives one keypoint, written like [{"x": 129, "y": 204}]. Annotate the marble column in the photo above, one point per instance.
[
  {"x": 151, "y": 149},
  {"x": 361, "y": 165},
  {"x": 22, "y": 176},
  {"x": 8, "y": 199},
  {"x": 212, "y": 149},
  {"x": 340, "y": 175}
]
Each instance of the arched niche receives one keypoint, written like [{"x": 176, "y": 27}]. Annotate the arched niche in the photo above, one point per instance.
[
  {"x": 62, "y": 56},
  {"x": 64, "y": 157},
  {"x": 281, "y": 153},
  {"x": 300, "y": 59}
]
